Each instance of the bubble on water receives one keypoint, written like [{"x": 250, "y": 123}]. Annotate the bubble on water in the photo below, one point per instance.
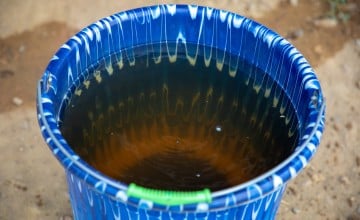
[
  {"x": 218, "y": 128},
  {"x": 198, "y": 175},
  {"x": 177, "y": 141}
]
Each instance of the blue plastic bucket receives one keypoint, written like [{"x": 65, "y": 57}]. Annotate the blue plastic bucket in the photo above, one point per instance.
[{"x": 240, "y": 40}]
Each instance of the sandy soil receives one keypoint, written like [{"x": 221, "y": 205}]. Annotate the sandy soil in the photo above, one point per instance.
[{"x": 32, "y": 183}]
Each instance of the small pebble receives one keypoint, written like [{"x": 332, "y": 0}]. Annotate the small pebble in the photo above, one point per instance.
[
  {"x": 294, "y": 3},
  {"x": 344, "y": 180},
  {"x": 357, "y": 84},
  {"x": 295, "y": 210},
  {"x": 66, "y": 217},
  {"x": 20, "y": 186},
  {"x": 357, "y": 160},
  {"x": 293, "y": 35},
  {"x": 317, "y": 178},
  {"x": 17, "y": 101},
  {"x": 351, "y": 201},
  {"x": 348, "y": 125},
  {"x": 22, "y": 48},
  {"x": 292, "y": 190},
  {"x": 307, "y": 183},
  {"x": 326, "y": 22},
  {"x": 39, "y": 201}
]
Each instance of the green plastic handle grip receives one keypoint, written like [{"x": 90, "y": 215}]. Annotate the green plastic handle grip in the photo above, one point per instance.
[{"x": 165, "y": 197}]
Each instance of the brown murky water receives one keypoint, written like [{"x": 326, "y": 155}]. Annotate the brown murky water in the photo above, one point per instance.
[{"x": 176, "y": 126}]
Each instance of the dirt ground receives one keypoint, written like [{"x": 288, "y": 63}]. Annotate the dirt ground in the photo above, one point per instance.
[{"x": 32, "y": 183}]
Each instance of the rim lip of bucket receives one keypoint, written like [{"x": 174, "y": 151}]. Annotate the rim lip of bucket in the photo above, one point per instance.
[{"x": 246, "y": 192}]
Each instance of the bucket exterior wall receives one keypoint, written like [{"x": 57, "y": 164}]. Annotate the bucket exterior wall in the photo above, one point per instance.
[
  {"x": 88, "y": 203},
  {"x": 95, "y": 196}
]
